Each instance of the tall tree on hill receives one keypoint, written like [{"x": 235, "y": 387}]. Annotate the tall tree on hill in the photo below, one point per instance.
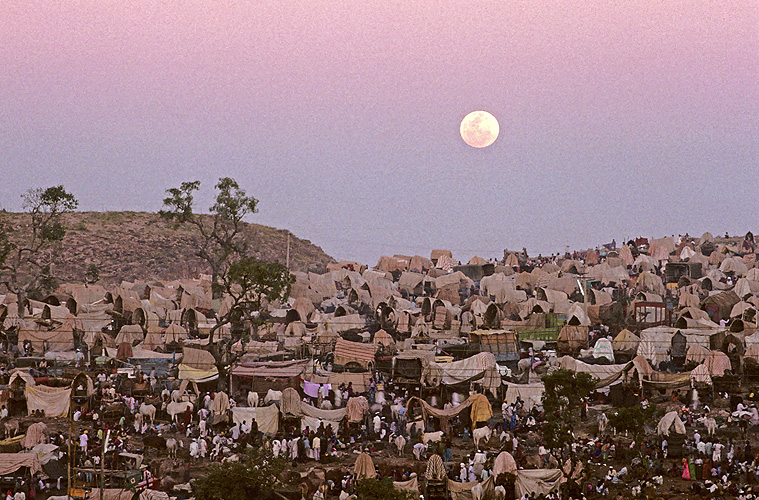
[
  {"x": 25, "y": 253},
  {"x": 245, "y": 283},
  {"x": 222, "y": 240}
]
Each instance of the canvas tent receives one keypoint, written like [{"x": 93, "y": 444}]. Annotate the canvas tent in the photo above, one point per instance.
[{"x": 197, "y": 365}]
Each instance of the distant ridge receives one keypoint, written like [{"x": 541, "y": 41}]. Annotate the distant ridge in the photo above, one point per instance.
[{"x": 131, "y": 246}]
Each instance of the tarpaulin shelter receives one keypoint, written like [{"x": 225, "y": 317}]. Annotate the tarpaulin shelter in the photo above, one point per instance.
[
  {"x": 53, "y": 401},
  {"x": 700, "y": 375},
  {"x": 264, "y": 375},
  {"x": 220, "y": 403},
  {"x": 266, "y": 417},
  {"x": 481, "y": 411},
  {"x": 538, "y": 481},
  {"x": 504, "y": 463},
  {"x": 11, "y": 462},
  {"x": 174, "y": 333},
  {"x": 112, "y": 494},
  {"x": 463, "y": 491},
  {"x": 60, "y": 339},
  {"x": 606, "y": 374},
  {"x": 312, "y": 416},
  {"x": 531, "y": 394},
  {"x": 411, "y": 486},
  {"x": 655, "y": 343},
  {"x": 720, "y": 304},
  {"x": 35, "y": 434},
  {"x": 670, "y": 422},
  {"x": 435, "y": 469},
  {"x": 696, "y": 353},
  {"x": 359, "y": 381},
  {"x": 364, "y": 467},
  {"x": 481, "y": 365},
  {"x": 289, "y": 404}
]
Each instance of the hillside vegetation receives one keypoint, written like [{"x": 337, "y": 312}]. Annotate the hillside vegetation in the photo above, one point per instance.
[{"x": 136, "y": 246}]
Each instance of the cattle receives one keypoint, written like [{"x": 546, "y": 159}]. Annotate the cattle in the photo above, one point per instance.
[
  {"x": 252, "y": 399},
  {"x": 272, "y": 396},
  {"x": 148, "y": 411},
  {"x": 500, "y": 493},
  {"x": 400, "y": 443},
  {"x": 11, "y": 428},
  {"x": 395, "y": 411},
  {"x": 481, "y": 435},
  {"x": 477, "y": 492},
  {"x": 172, "y": 445},
  {"x": 602, "y": 421},
  {"x": 711, "y": 425},
  {"x": 416, "y": 427},
  {"x": 175, "y": 409},
  {"x": 432, "y": 437}
]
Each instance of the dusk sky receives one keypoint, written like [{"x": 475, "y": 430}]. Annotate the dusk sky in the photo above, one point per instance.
[{"x": 617, "y": 119}]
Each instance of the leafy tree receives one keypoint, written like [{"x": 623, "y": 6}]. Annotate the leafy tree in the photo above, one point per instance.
[
  {"x": 92, "y": 275},
  {"x": 221, "y": 232},
  {"x": 25, "y": 257},
  {"x": 565, "y": 391},
  {"x": 255, "y": 476},
  {"x": 632, "y": 420},
  {"x": 379, "y": 489},
  {"x": 247, "y": 284}
]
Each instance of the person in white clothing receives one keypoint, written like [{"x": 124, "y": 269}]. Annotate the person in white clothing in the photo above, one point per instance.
[{"x": 316, "y": 445}]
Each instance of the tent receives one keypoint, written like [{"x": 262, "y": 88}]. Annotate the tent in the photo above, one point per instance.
[
  {"x": 197, "y": 365},
  {"x": 603, "y": 349},
  {"x": 718, "y": 363},
  {"x": 129, "y": 334},
  {"x": 626, "y": 341},
  {"x": 572, "y": 338},
  {"x": 354, "y": 352}
]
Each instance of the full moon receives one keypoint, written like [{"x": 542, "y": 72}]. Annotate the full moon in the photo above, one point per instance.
[{"x": 479, "y": 129}]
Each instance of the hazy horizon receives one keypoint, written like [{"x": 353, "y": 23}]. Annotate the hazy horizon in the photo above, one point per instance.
[{"x": 343, "y": 119}]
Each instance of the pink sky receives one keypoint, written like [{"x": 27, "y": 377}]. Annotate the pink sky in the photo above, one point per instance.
[{"x": 330, "y": 109}]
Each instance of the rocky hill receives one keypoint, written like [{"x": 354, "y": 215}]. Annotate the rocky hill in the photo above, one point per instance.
[{"x": 140, "y": 246}]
